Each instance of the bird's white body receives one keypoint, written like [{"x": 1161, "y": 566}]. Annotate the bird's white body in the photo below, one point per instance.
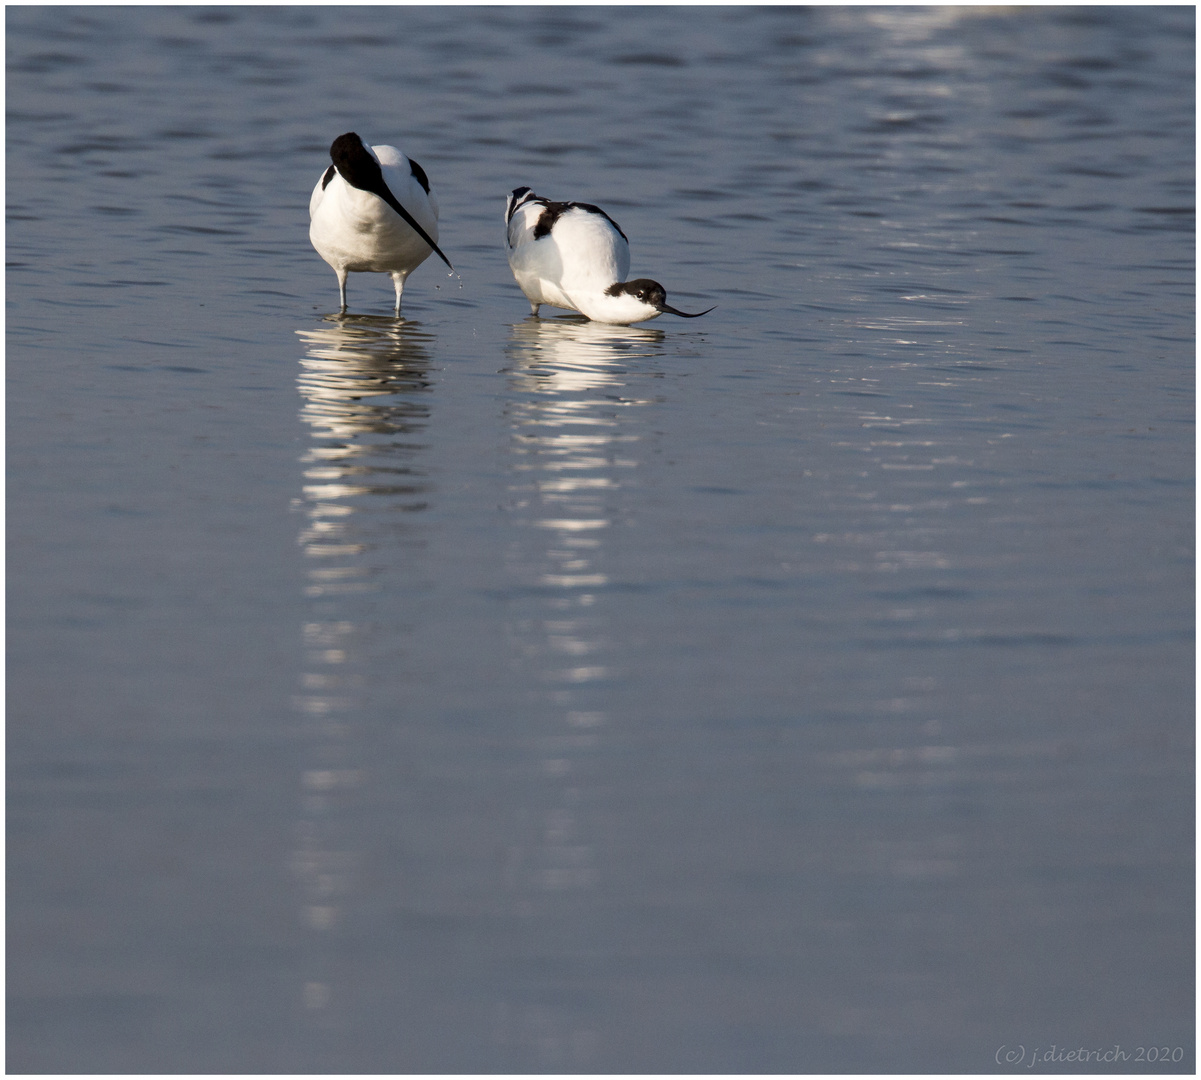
[
  {"x": 572, "y": 265},
  {"x": 356, "y": 230},
  {"x": 574, "y": 256}
]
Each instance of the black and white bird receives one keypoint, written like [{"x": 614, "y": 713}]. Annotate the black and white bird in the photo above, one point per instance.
[
  {"x": 373, "y": 211},
  {"x": 573, "y": 255}
]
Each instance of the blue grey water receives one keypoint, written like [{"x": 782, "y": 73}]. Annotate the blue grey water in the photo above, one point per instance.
[{"x": 804, "y": 687}]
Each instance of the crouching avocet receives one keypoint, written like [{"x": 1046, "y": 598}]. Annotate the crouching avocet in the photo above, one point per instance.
[
  {"x": 373, "y": 211},
  {"x": 573, "y": 255}
]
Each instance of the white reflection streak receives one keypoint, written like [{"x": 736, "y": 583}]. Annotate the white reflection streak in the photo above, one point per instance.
[
  {"x": 571, "y": 451},
  {"x": 357, "y": 381}
]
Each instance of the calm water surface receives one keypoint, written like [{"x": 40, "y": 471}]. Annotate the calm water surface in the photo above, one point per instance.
[{"x": 806, "y": 687}]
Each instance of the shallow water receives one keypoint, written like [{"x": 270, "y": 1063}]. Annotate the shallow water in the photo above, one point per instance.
[{"x": 806, "y": 687}]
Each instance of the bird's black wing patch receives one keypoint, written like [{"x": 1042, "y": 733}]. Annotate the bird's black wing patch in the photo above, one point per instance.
[
  {"x": 419, "y": 174},
  {"x": 555, "y": 210}
]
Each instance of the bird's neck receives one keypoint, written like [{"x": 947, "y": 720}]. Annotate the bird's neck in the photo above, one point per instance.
[{"x": 622, "y": 309}]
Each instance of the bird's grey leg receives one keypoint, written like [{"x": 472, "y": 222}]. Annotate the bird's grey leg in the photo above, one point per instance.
[
  {"x": 534, "y": 308},
  {"x": 398, "y": 279},
  {"x": 342, "y": 289}
]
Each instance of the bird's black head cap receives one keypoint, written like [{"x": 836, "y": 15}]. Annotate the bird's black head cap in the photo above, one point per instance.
[{"x": 651, "y": 292}]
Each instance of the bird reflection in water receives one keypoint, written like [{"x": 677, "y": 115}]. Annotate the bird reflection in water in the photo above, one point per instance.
[
  {"x": 364, "y": 383},
  {"x": 575, "y": 453}
]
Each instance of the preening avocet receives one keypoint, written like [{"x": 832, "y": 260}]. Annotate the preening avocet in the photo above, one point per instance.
[
  {"x": 573, "y": 255},
  {"x": 373, "y": 211}
]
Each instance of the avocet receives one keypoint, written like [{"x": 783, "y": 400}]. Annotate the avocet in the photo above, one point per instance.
[
  {"x": 373, "y": 211},
  {"x": 573, "y": 255}
]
